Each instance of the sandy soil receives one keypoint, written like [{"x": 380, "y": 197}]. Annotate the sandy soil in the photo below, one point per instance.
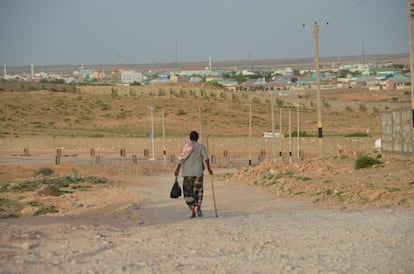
[
  {"x": 314, "y": 216},
  {"x": 132, "y": 226}
]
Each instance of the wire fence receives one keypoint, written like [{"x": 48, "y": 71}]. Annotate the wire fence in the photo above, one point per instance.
[
  {"x": 133, "y": 164},
  {"x": 130, "y": 156}
]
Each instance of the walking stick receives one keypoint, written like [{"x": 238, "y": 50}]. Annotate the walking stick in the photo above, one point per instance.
[{"x": 214, "y": 198}]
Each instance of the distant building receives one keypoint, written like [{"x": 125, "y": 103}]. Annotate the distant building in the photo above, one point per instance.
[
  {"x": 98, "y": 75},
  {"x": 126, "y": 77},
  {"x": 85, "y": 73},
  {"x": 284, "y": 71},
  {"x": 193, "y": 72},
  {"x": 116, "y": 77},
  {"x": 179, "y": 79},
  {"x": 397, "y": 82},
  {"x": 130, "y": 77},
  {"x": 280, "y": 82},
  {"x": 37, "y": 76},
  {"x": 247, "y": 72},
  {"x": 386, "y": 72},
  {"x": 355, "y": 67},
  {"x": 160, "y": 80},
  {"x": 195, "y": 79}
]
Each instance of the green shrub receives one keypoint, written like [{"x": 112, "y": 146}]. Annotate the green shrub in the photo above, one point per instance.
[
  {"x": 98, "y": 180},
  {"x": 25, "y": 186},
  {"x": 33, "y": 203},
  {"x": 45, "y": 171},
  {"x": 97, "y": 135},
  {"x": 362, "y": 108},
  {"x": 181, "y": 112},
  {"x": 392, "y": 189},
  {"x": 356, "y": 134},
  {"x": 349, "y": 109},
  {"x": 402, "y": 201},
  {"x": 45, "y": 210},
  {"x": 6, "y": 202},
  {"x": 301, "y": 134},
  {"x": 364, "y": 161},
  {"x": 162, "y": 92},
  {"x": 326, "y": 104},
  {"x": 304, "y": 178},
  {"x": 114, "y": 92},
  {"x": 50, "y": 190},
  {"x": 279, "y": 102},
  {"x": 256, "y": 100}
]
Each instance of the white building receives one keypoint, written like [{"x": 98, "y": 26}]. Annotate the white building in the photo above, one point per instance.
[
  {"x": 355, "y": 67},
  {"x": 283, "y": 71},
  {"x": 130, "y": 76}
]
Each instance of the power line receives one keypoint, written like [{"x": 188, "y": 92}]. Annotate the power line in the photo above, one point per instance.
[
  {"x": 330, "y": 11},
  {"x": 344, "y": 12}
]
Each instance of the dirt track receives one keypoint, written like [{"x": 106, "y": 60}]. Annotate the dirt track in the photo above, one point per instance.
[{"x": 255, "y": 233}]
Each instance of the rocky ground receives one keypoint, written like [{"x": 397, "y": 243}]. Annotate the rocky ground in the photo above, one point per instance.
[
  {"x": 332, "y": 183},
  {"x": 336, "y": 183},
  {"x": 316, "y": 216}
]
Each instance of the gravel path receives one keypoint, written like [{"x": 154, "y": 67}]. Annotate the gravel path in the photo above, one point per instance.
[{"x": 254, "y": 233}]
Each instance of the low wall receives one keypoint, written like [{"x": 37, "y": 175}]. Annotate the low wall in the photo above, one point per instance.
[{"x": 396, "y": 129}]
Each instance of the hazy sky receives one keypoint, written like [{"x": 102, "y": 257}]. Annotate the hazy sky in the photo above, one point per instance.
[{"x": 43, "y": 32}]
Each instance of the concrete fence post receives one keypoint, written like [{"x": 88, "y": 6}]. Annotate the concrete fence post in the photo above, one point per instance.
[{"x": 58, "y": 155}]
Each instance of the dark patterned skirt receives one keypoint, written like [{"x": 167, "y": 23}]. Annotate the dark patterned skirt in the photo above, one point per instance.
[{"x": 193, "y": 190}]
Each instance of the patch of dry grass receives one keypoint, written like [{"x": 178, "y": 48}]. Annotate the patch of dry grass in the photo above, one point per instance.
[{"x": 107, "y": 111}]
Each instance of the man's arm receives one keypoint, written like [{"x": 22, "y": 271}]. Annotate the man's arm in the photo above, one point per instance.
[
  {"x": 177, "y": 170},
  {"x": 208, "y": 166}
]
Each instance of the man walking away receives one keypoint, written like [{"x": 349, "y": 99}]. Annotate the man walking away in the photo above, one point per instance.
[{"x": 192, "y": 158}]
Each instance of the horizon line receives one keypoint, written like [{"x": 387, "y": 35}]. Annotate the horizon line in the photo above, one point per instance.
[{"x": 217, "y": 61}]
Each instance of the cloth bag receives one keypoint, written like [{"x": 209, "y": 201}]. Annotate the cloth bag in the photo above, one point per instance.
[
  {"x": 186, "y": 150},
  {"x": 175, "y": 190}
]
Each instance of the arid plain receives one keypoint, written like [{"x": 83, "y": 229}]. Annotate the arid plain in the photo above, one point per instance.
[{"x": 308, "y": 216}]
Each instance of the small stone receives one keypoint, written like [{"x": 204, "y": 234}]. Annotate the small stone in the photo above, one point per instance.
[
  {"x": 26, "y": 246},
  {"x": 28, "y": 211},
  {"x": 100, "y": 235}
]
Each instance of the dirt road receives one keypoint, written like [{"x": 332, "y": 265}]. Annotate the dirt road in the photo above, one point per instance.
[{"x": 254, "y": 233}]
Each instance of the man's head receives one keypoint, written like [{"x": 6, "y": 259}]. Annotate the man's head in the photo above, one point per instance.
[{"x": 194, "y": 136}]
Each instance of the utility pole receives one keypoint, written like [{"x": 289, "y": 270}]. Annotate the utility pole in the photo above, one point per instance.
[
  {"x": 290, "y": 136},
  {"x": 411, "y": 39},
  {"x": 164, "y": 151},
  {"x": 199, "y": 119},
  {"x": 272, "y": 106},
  {"x": 176, "y": 56},
  {"x": 250, "y": 134},
  {"x": 151, "y": 108},
  {"x": 280, "y": 135},
  {"x": 298, "y": 130},
  {"x": 318, "y": 88}
]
